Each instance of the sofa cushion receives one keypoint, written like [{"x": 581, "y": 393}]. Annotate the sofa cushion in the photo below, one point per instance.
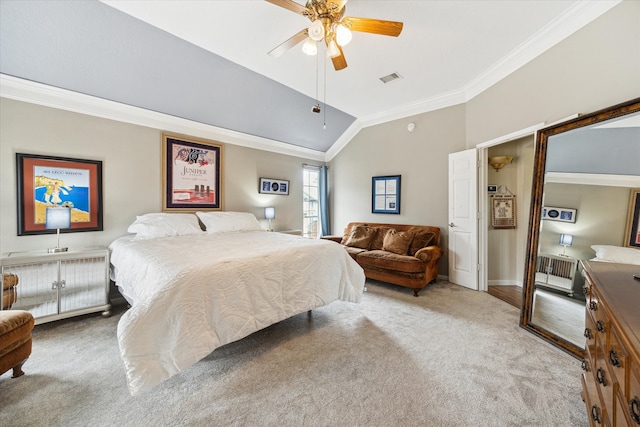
[
  {"x": 397, "y": 242},
  {"x": 421, "y": 239},
  {"x": 360, "y": 237},
  {"x": 390, "y": 261},
  {"x": 378, "y": 238},
  {"x": 354, "y": 252}
]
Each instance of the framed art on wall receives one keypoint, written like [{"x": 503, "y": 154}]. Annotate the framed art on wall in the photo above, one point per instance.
[
  {"x": 49, "y": 182},
  {"x": 274, "y": 186},
  {"x": 503, "y": 209},
  {"x": 385, "y": 194},
  {"x": 191, "y": 174},
  {"x": 632, "y": 233},
  {"x": 559, "y": 214}
]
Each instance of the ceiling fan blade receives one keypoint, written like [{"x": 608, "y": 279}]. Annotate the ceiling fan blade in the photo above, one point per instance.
[
  {"x": 288, "y": 44},
  {"x": 339, "y": 62},
  {"x": 290, "y": 5},
  {"x": 375, "y": 26}
]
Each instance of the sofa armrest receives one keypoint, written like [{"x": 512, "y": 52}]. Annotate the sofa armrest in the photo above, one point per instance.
[
  {"x": 337, "y": 239},
  {"x": 429, "y": 254}
]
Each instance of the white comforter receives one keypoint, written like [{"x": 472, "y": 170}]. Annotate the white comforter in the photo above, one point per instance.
[{"x": 192, "y": 294}]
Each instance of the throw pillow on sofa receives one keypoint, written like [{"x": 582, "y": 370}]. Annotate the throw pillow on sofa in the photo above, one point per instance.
[
  {"x": 397, "y": 241},
  {"x": 360, "y": 237},
  {"x": 421, "y": 239},
  {"x": 378, "y": 238}
]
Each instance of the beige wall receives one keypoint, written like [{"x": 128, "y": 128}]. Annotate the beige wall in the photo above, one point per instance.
[
  {"x": 131, "y": 172},
  {"x": 600, "y": 220},
  {"x": 596, "y": 67},
  {"x": 420, "y": 157}
]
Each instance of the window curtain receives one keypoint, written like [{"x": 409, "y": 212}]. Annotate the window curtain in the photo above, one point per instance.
[{"x": 325, "y": 229}]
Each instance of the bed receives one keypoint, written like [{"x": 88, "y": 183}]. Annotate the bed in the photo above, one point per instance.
[{"x": 192, "y": 291}]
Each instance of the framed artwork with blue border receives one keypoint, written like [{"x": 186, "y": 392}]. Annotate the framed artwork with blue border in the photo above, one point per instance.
[
  {"x": 385, "y": 194},
  {"x": 274, "y": 186}
]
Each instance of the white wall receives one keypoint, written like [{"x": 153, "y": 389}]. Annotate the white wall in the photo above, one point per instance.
[{"x": 132, "y": 179}]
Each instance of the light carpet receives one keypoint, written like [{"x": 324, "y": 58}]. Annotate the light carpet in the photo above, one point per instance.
[{"x": 451, "y": 357}]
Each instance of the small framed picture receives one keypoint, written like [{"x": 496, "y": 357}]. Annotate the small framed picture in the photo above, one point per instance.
[
  {"x": 492, "y": 188},
  {"x": 559, "y": 214},
  {"x": 385, "y": 194},
  {"x": 274, "y": 186}
]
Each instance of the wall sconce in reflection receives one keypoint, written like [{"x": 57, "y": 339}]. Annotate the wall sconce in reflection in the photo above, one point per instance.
[
  {"x": 57, "y": 218},
  {"x": 565, "y": 240},
  {"x": 270, "y": 213},
  {"x": 498, "y": 162}
]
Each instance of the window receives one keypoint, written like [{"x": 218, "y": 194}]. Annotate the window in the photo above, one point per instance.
[{"x": 310, "y": 202}]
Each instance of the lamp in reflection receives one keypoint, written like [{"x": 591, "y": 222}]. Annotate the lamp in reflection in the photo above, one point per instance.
[
  {"x": 270, "y": 213},
  {"x": 565, "y": 240}
]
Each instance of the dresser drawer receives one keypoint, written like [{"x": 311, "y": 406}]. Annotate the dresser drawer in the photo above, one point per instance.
[
  {"x": 590, "y": 333},
  {"x": 632, "y": 399},
  {"x": 621, "y": 416},
  {"x": 599, "y": 314},
  {"x": 617, "y": 359},
  {"x": 595, "y": 410},
  {"x": 604, "y": 379}
]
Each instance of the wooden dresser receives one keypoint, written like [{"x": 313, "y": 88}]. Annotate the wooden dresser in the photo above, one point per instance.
[{"x": 611, "y": 377}]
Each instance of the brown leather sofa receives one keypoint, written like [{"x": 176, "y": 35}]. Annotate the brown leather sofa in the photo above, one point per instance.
[{"x": 404, "y": 255}]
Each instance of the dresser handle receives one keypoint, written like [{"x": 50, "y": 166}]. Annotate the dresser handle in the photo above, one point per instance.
[
  {"x": 585, "y": 365},
  {"x": 593, "y": 305},
  {"x": 585, "y": 290},
  {"x": 600, "y": 326},
  {"x": 613, "y": 358},
  {"x": 600, "y": 377},
  {"x": 634, "y": 408},
  {"x": 595, "y": 414},
  {"x": 587, "y": 333}
]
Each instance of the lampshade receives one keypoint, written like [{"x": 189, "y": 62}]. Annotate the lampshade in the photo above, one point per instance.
[
  {"x": 499, "y": 161},
  {"x": 332, "y": 49},
  {"x": 316, "y": 30},
  {"x": 310, "y": 47},
  {"x": 58, "y": 218},
  {"x": 343, "y": 35},
  {"x": 566, "y": 239},
  {"x": 269, "y": 213}
]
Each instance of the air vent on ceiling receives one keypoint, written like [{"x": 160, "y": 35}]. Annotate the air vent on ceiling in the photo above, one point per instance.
[{"x": 391, "y": 77}]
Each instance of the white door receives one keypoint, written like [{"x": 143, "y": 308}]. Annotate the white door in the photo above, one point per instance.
[{"x": 463, "y": 218}]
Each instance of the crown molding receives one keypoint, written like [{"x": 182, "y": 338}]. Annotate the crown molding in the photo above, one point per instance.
[
  {"x": 630, "y": 181},
  {"x": 49, "y": 96}
]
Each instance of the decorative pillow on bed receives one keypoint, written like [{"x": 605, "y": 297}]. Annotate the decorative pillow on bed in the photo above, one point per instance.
[
  {"x": 220, "y": 222},
  {"x": 165, "y": 225},
  {"x": 360, "y": 237},
  {"x": 397, "y": 241},
  {"x": 617, "y": 254}
]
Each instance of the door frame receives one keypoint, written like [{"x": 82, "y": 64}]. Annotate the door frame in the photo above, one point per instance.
[{"x": 483, "y": 202}]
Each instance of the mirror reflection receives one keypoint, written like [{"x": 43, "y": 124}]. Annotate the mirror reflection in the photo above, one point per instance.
[{"x": 584, "y": 171}]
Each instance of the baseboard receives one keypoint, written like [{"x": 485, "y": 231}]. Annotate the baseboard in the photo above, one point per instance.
[{"x": 504, "y": 283}]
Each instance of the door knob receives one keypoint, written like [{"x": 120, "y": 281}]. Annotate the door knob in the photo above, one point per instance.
[{"x": 451, "y": 225}]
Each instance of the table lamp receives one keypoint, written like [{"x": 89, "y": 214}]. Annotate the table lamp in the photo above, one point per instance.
[
  {"x": 270, "y": 213},
  {"x": 566, "y": 240},
  {"x": 58, "y": 218}
]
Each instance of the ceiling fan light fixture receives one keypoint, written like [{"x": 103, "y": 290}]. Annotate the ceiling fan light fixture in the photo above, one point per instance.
[
  {"x": 343, "y": 35},
  {"x": 332, "y": 49},
  {"x": 310, "y": 47},
  {"x": 316, "y": 30}
]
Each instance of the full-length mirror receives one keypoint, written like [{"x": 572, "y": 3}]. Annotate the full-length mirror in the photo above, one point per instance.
[{"x": 585, "y": 170}]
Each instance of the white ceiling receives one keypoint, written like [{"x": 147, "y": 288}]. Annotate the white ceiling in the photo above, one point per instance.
[{"x": 447, "y": 52}]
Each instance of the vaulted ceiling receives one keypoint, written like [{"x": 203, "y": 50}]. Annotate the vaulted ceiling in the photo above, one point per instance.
[{"x": 207, "y": 61}]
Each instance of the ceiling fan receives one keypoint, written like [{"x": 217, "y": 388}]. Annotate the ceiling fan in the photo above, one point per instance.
[{"x": 328, "y": 23}]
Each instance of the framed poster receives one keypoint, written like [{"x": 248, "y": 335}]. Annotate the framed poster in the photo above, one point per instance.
[
  {"x": 47, "y": 181},
  {"x": 632, "y": 232},
  {"x": 385, "y": 194},
  {"x": 274, "y": 186},
  {"x": 191, "y": 174},
  {"x": 503, "y": 209},
  {"x": 559, "y": 214}
]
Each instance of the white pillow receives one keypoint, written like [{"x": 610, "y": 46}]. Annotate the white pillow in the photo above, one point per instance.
[
  {"x": 165, "y": 225},
  {"x": 617, "y": 254},
  {"x": 220, "y": 222}
]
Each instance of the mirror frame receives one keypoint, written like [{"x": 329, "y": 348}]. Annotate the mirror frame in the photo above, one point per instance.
[{"x": 535, "y": 213}]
